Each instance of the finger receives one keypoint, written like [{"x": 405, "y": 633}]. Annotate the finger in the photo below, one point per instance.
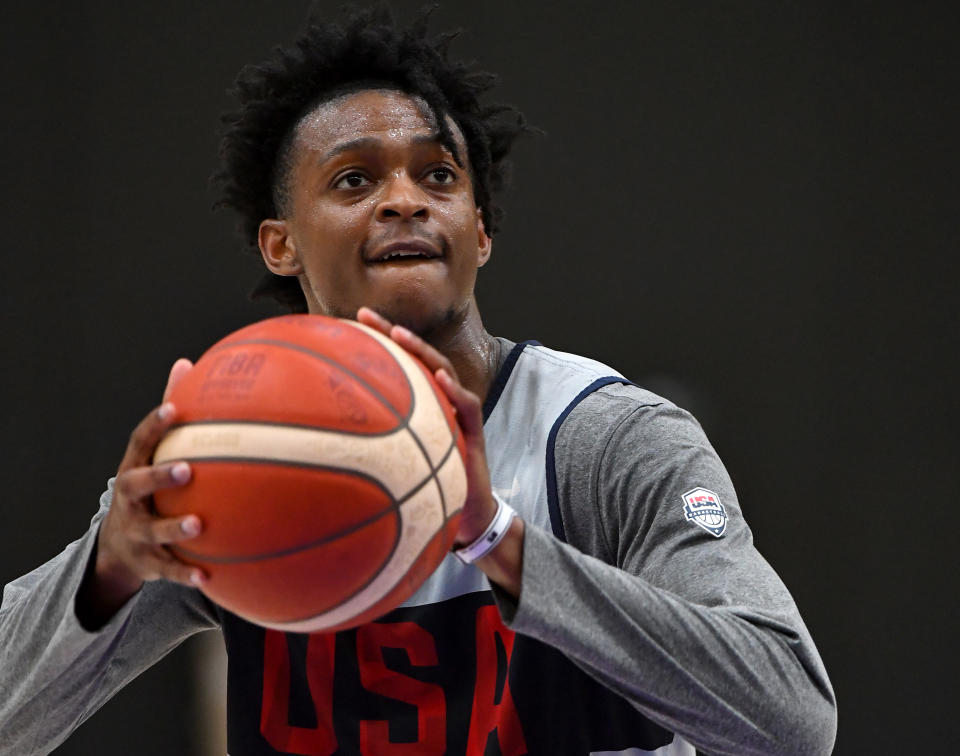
[
  {"x": 161, "y": 531},
  {"x": 468, "y": 406},
  {"x": 162, "y": 563},
  {"x": 144, "y": 528},
  {"x": 180, "y": 368},
  {"x": 138, "y": 483},
  {"x": 427, "y": 354},
  {"x": 146, "y": 436},
  {"x": 374, "y": 320},
  {"x": 406, "y": 338}
]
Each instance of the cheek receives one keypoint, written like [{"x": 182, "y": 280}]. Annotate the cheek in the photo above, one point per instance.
[
  {"x": 329, "y": 252},
  {"x": 460, "y": 218},
  {"x": 332, "y": 237},
  {"x": 336, "y": 224}
]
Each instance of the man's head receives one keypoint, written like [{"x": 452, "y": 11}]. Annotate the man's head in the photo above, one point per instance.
[{"x": 307, "y": 102}]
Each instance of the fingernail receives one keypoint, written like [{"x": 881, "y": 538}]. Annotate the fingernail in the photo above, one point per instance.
[
  {"x": 196, "y": 577},
  {"x": 405, "y": 332},
  {"x": 190, "y": 526},
  {"x": 180, "y": 472},
  {"x": 166, "y": 411}
]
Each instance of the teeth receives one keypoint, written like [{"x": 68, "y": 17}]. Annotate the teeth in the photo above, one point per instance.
[{"x": 403, "y": 253}]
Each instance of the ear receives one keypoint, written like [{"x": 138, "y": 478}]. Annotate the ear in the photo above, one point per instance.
[
  {"x": 277, "y": 248},
  {"x": 484, "y": 242}
]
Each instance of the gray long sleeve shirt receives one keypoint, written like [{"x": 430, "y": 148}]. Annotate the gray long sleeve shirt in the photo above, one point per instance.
[{"x": 696, "y": 632}]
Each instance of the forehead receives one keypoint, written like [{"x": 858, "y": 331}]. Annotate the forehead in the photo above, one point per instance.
[{"x": 388, "y": 116}]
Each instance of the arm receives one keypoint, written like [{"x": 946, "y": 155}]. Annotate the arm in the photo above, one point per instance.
[
  {"x": 132, "y": 539},
  {"x": 698, "y": 632},
  {"x": 77, "y": 629},
  {"x": 54, "y": 673}
]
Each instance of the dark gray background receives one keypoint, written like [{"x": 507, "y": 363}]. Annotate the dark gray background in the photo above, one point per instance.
[{"x": 748, "y": 206}]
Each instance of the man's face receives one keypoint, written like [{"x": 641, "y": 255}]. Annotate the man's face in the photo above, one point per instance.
[{"x": 379, "y": 214}]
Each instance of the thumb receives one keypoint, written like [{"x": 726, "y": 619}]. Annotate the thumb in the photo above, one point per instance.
[{"x": 180, "y": 368}]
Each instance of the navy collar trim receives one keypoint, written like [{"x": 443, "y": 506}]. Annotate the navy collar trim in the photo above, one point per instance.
[{"x": 503, "y": 375}]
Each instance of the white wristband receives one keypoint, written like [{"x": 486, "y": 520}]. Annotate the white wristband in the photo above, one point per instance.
[{"x": 494, "y": 533}]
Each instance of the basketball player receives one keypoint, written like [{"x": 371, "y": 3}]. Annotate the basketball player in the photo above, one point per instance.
[{"x": 623, "y": 609}]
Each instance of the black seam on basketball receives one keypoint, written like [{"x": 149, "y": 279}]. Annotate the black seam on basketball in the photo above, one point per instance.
[
  {"x": 431, "y": 476},
  {"x": 395, "y": 505},
  {"x": 433, "y": 470},
  {"x": 373, "y": 576},
  {"x": 343, "y": 368},
  {"x": 382, "y": 595},
  {"x": 443, "y": 503},
  {"x": 272, "y": 424},
  {"x": 423, "y": 449},
  {"x": 405, "y": 421},
  {"x": 290, "y": 463},
  {"x": 181, "y": 551}
]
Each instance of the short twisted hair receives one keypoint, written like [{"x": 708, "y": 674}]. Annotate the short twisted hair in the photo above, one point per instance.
[{"x": 326, "y": 60}]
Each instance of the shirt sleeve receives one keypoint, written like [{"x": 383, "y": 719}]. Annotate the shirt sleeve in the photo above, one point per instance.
[
  {"x": 53, "y": 672},
  {"x": 697, "y": 631}
]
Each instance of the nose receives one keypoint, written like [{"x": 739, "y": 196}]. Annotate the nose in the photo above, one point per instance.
[{"x": 402, "y": 199}]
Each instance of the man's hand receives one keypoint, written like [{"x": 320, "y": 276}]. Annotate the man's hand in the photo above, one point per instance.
[
  {"x": 131, "y": 545},
  {"x": 503, "y": 564},
  {"x": 479, "y": 508}
]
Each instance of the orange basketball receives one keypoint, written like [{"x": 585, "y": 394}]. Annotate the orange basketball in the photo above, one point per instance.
[{"x": 327, "y": 470}]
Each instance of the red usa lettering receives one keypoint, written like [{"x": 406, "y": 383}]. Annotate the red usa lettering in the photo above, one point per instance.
[
  {"x": 274, "y": 711},
  {"x": 377, "y": 678},
  {"x": 428, "y": 699}
]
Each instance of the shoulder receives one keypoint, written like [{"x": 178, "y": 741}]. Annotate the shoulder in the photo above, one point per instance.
[
  {"x": 592, "y": 407},
  {"x": 624, "y": 459},
  {"x": 624, "y": 417}
]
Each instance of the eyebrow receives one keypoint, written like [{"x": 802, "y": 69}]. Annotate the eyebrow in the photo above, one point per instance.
[{"x": 373, "y": 142}]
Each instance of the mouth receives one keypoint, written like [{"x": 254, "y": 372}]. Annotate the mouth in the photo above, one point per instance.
[{"x": 405, "y": 250}]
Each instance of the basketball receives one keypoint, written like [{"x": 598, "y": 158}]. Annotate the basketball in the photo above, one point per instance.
[{"x": 327, "y": 470}]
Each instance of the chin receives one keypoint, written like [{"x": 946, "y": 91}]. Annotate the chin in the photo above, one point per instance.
[{"x": 425, "y": 322}]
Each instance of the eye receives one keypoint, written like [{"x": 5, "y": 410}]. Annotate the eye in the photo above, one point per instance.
[
  {"x": 352, "y": 180},
  {"x": 441, "y": 175}
]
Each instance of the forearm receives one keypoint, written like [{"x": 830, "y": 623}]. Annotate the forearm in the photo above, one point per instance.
[
  {"x": 100, "y": 594},
  {"x": 52, "y": 669},
  {"x": 725, "y": 683},
  {"x": 54, "y": 673}
]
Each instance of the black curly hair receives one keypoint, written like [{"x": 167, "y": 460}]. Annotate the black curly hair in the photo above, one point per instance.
[{"x": 327, "y": 60}]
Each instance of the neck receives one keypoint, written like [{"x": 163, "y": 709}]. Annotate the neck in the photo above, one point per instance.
[{"x": 471, "y": 350}]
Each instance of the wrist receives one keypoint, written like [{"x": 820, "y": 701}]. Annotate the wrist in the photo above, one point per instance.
[
  {"x": 111, "y": 576},
  {"x": 114, "y": 583},
  {"x": 503, "y": 565},
  {"x": 497, "y": 549},
  {"x": 490, "y": 533},
  {"x": 106, "y": 586}
]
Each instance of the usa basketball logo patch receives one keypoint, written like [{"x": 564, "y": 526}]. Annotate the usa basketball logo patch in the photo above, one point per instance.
[{"x": 704, "y": 508}]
